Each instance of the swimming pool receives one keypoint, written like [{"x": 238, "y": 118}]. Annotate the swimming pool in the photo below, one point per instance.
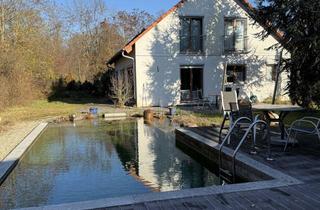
[{"x": 99, "y": 159}]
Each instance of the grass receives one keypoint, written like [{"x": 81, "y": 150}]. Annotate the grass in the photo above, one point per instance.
[
  {"x": 195, "y": 118},
  {"x": 37, "y": 110},
  {"x": 298, "y": 115},
  {"x": 43, "y": 109},
  {"x": 277, "y": 101}
]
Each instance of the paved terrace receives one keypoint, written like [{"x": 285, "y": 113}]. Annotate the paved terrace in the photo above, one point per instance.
[{"x": 301, "y": 162}]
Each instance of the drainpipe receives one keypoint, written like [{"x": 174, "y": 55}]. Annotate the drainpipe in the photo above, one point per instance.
[{"x": 134, "y": 72}]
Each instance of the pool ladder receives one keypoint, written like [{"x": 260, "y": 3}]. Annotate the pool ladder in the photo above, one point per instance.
[{"x": 227, "y": 174}]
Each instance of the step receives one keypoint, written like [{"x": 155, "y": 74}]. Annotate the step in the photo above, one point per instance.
[
  {"x": 114, "y": 115},
  {"x": 226, "y": 172},
  {"x": 226, "y": 179}
]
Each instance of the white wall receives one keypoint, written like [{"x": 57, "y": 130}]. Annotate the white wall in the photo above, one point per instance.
[
  {"x": 158, "y": 57},
  {"x": 124, "y": 63}
]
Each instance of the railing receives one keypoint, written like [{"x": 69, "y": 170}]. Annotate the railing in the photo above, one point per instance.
[
  {"x": 249, "y": 129},
  {"x": 227, "y": 137},
  {"x": 233, "y": 43},
  {"x": 192, "y": 44},
  {"x": 189, "y": 96},
  {"x": 267, "y": 135}
]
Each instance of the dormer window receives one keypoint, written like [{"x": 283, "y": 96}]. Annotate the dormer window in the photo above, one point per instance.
[
  {"x": 235, "y": 35},
  {"x": 191, "y": 35}
]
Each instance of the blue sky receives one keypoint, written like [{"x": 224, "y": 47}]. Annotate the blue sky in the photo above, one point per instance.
[{"x": 152, "y": 6}]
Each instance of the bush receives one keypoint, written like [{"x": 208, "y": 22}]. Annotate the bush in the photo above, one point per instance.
[{"x": 315, "y": 93}]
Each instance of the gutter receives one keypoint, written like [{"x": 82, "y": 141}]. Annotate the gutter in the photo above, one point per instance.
[{"x": 134, "y": 72}]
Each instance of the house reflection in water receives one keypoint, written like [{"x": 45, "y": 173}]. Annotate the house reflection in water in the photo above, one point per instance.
[{"x": 151, "y": 156}]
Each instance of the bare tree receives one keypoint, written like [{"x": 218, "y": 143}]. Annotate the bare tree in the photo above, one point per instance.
[
  {"x": 131, "y": 23},
  {"x": 121, "y": 88}
]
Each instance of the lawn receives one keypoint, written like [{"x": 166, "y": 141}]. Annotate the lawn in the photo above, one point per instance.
[
  {"x": 37, "y": 110},
  {"x": 43, "y": 109},
  {"x": 196, "y": 117}
]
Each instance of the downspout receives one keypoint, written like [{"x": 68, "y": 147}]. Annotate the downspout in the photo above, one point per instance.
[{"x": 134, "y": 72}]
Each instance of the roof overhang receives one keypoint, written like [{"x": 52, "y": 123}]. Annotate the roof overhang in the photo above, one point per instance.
[{"x": 115, "y": 57}]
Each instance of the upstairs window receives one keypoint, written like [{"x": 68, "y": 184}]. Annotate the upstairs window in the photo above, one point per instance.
[
  {"x": 191, "y": 37},
  {"x": 235, "y": 35}
]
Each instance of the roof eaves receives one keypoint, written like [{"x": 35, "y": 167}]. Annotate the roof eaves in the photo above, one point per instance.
[
  {"x": 128, "y": 48},
  {"x": 115, "y": 57}
]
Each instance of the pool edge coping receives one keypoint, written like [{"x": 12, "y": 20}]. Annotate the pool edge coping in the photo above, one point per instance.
[
  {"x": 10, "y": 161},
  {"x": 279, "y": 179}
]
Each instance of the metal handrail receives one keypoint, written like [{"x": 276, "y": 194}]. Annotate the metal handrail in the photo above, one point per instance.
[
  {"x": 230, "y": 43},
  {"x": 229, "y": 134},
  {"x": 306, "y": 120},
  {"x": 245, "y": 137}
]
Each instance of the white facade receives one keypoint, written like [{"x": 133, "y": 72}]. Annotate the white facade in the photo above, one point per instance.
[{"x": 158, "y": 59}]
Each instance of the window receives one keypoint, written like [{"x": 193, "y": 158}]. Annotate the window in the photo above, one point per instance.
[
  {"x": 271, "y": 74},
  {"x": 191, "y": 38},
  {"x": 235, "y": 35},
  {"x": 130, "y": 78},
  {"x": 236, "y": 73},
  {"x": 191, "y": 82}
]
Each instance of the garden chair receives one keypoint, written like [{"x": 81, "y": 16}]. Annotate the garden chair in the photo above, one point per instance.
[
  {"x": 227, "y": 98},
  {"x": 185, "y": 95},
  {"x": 201, "y": 100},
  {"x": 305, "y": 125},
  {"x": 244, "y": 110}
]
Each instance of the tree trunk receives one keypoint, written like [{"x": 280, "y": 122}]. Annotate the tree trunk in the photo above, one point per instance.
[{"x": 2, "y": 24}]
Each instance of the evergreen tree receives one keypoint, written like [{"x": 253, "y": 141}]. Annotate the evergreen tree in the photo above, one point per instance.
[{"x": 299, "y": 23}]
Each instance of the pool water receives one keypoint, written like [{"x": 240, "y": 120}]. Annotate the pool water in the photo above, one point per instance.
[{"x": 99, "y": 159}]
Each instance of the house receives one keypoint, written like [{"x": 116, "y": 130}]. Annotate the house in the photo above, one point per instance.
[{"x": 201, "y": 46}]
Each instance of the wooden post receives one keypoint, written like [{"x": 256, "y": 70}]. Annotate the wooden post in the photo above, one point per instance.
[
  {"x": 278, "y": 72},
  {"x": 224, "y": 76}
]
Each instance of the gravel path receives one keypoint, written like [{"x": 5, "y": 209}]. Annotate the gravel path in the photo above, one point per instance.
[{"x": 11, "y": 138}]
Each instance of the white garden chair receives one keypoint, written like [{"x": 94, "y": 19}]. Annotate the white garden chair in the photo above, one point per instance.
[
  {"x": 227, "y": 98},
  {"x": 306, "y": 125}
]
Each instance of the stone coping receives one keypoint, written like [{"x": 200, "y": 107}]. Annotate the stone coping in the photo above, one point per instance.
[
  {"x": 279, "y": 179},
  {"x": 9, "y": 162}
]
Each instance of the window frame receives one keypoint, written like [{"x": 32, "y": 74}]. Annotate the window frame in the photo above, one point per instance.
[
  {"x": 273, "y": 72},
  {"x": 244, "y": 77},
  {"x": 189, "y": 49},
  {"x": 191, "y": 68},
  {"x": 245, "y": 35}
]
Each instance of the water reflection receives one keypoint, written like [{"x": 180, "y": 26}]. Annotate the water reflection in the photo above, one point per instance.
[{"x": 96, "y": 160}]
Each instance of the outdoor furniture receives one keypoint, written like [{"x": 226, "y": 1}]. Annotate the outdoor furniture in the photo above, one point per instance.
[
  {"x": 214, "y": 100},
  {"x": 282, "y": 109},
  {"x": 194, "y": 96},
  {"x": 306, "y": 125},
  {"x": 244, "y": 110},
  {"x": 200, "y": 99},
  {"x": 185, "y": 95},
  {"x": 227, "y": 98}
]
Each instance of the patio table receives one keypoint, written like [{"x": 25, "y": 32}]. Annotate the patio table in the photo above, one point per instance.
[{"x": 284, "y": 110}]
